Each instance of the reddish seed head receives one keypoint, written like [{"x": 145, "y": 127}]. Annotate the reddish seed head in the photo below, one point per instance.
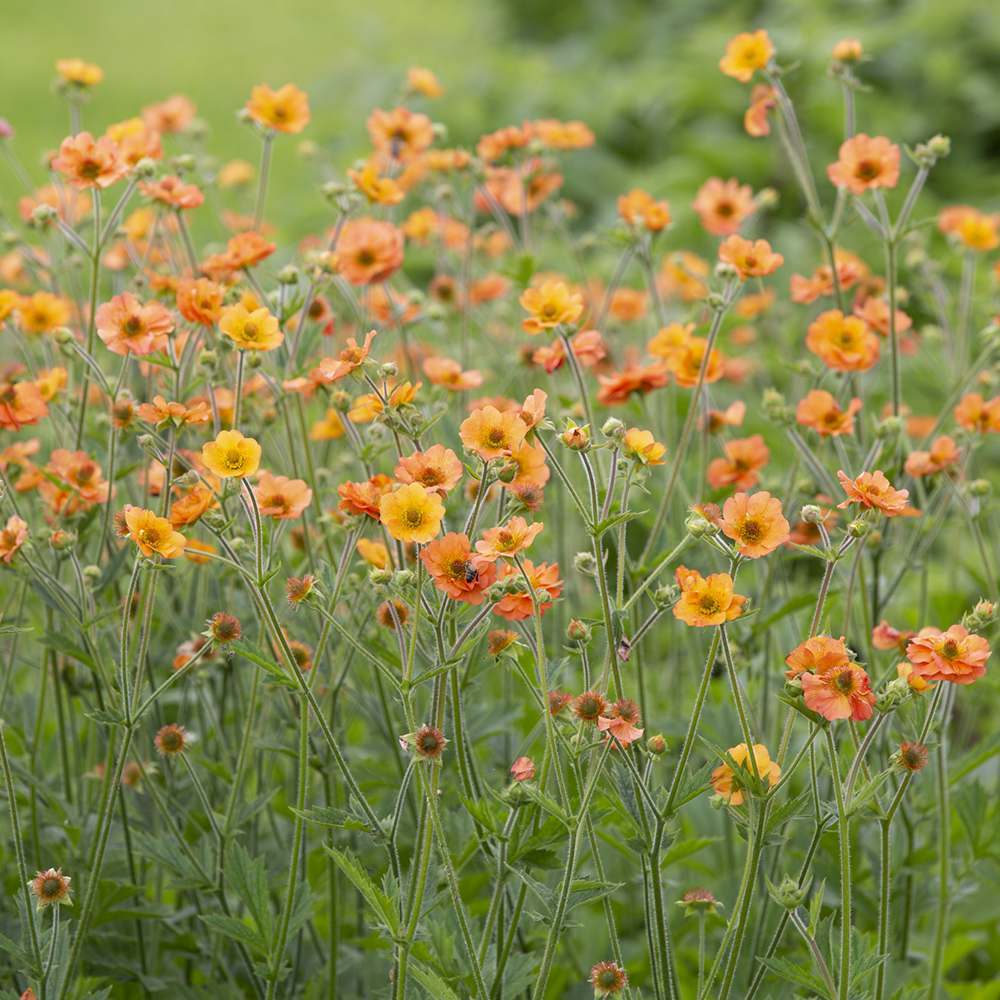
[
  {"x": 429, "y": 742},
  {"x": 50, "y": 887},
  {"x": 223, "y": 628},
  {"x": 589, "y": 706},
  {"x": 171, "y": 740},
  {"x": 298, "y": 588},
  {"x": 912, "y": 756},
  {"x": 608, "y": 978},
  {"x": 558, "y": 700}
]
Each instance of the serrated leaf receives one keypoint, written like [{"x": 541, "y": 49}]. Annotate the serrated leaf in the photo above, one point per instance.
[
  {"x": 236, "y": 930},
  {"x": 377, "y": 898}
]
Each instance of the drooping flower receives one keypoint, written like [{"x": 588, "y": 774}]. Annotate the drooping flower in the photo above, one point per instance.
[
  {"x": 956, "y": 655},
  {"x": 727, "y": 783},
  {"x": 707, "y": 600},
  {"x": 842, "y": 692},
  {"x": 873, "y": 491},
  {"x": 755, "y": 523},
  {"x": 411, "y": 513}
]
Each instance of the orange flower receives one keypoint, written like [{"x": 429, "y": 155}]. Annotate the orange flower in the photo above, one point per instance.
[
  {"x": 89, "y": 163},
  {"x": 128, "y": 326},
  {"x": 42, "y": 312},
  {"x": 745, "y": 54},
  {"x": 136, "y": 141},
  {"x": 873, "y": 490},
  {"x": 744, "y": 458},
  {"x": 369, "y": 251},
  {"x": 506, "y": 541},
  {"x": 400, "y": 134},
  {"x": 411, "y": 513},
  {"x": 284, "y": 110},
  {"x": 972, "y": 228},
  {"x": 231, "y": 455},
  {"x": 850, "y": 270},
  {"x": 707, "y": 600},
  {"x": 633, "y": 378},
  {"x": 560, "y": 135},
  {"x": 423, "y": 81},
  {"x": 518, "y": 190},
  {"x": 377, "y": 189},
  {"x": 365, "y": 497},
  {"x": 731, "y": 416},
  {"x": 244, "y": 250},
  {"x": 643, "y": 447},
  {"x": 843, "y": 343},
  {"x": 865, "y": 163},
  {"x": 763, "y": 100},
  {"x": 448, "y": 374},
  {"x": 842, "y": 692},
  {"x": 80, "y": 74},
  {"x": 685, "y": 364},
  {"x": 162, "y": 412},
  {"x": 639, "y": 208},
  {"x": 976, "y": 414},
  {"x": 726, "y": 782},
  {"x": 587, "y": 347},
  {"x": 12, "y": 537},
  {"x": 755, "y": 523},
  {"x": 74, "y": 482},
  {"x": 543, "y": 577},
  {"x": 373, "y": 553},
  {"x": 532, "y": 410},
  {"x": 329, "y": 428},
  {"x": 682, "y": 275},
  {"x": 752, "y": 259},
  {"x": 189, "y": 507},
  {"x": 884, "y": 636},
  {"x": 551, "y": 304},
  {"x": 255, "y": 330},
  {"x": 943, "y": 453},
  {"x": 172, "y": 115},
  {"x": 282, "y": 498},
  {"x": 905, "y": 671},
  {"x": 492, "y": 434},
  {"x": 722, "y": 206},
  {"x": 622, "y": 727},
  {"x": 350, "y": 358},
  {"x": 200, "y": 300},
  {"x": 455, "y": 570},
  {"x": 875, "y": 312},
  {"x": 173, "y": 193},
  {"x": 153, "y": 535},
  {"x": 21, "y": 404},
  {"x": 531, "y": 470},
  {"x": 817, "y": 655},
  {"x": 438, "y": 468},
  {"x": 820, "y": 411},
  {"x": 957, "y": 655},
  {"x": 670, "y": 341}
]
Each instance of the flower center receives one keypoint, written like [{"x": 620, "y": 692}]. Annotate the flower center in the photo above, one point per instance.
[{"x": 413, "y": 518}]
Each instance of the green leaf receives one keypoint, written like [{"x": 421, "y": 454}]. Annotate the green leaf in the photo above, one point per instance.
[
  {"x": 248, "y": 877},
  {"x": 436, "y": 987},
  {"x": 237, "y": 930},
  {"x": 377, "y": 898},
  {"x": 271, "y": 668}
]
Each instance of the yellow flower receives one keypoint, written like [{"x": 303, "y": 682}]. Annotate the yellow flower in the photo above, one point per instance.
[
  {"x": 377, "y": 189},
  {"x": 80, "y": 73},
  {"x": 231, "y": 455},
  {"x": 422, "y": 81},
  {"x": 412, "y": 513},
  {"x": 236, "y": 173},
  {"x": 329, "y": 428},
  {"x": 285, "y": 109},
  {"x": 642, "y": 446},
  {"x": 373, "y": 553},
  {"x": 252, "y": 331},
  {"x": 153, "y": 534},
  {"x": 552, "y": 304},
  {"x": 745, "y": 54}
]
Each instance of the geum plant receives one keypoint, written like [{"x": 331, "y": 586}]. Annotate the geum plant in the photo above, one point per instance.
[{"x": 494, "y": 691}]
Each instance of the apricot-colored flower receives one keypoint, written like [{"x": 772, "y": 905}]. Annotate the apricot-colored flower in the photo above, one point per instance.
[
  {"x": 153, "y": 534},
  {"x": 246, "y": 249},
  {"x": 544, "y": 577},
  {"x": 843, "y": 692},
  {"x": 438, "y": 468},
  {"x": 905, "y": 671},
  {"x": 173, "y": 114},
  {"x": 633, "y": 378},
  {"x": 821, "y": 412},
  {"x": 12, "y": 537},
  {"x": 745, "y": 457},
  {"x": 875, "y": 312},
  {"x": 587, "y": 347},
  {"x": 192, "y": 505},
  {"x": 285, "y": 109},
  {"x": 943, "y": 453},
  {"x": 763, "y": 100},
  {"x": 21, "y": 404},
  {"x": 751, "y": 258},
  {"x": 400, "y": 134},
  {"x": 847, "y": 50},
  {"x": 282, "y": 498},
  {"x": 755, "y": 523},
  {"x": 551, "y": 304},
  {"x": 87, "y": 162},
  {"x": 683, "y": 275},
  {"x": 670, "y": 340},
  {"x": 255, "y": 330},
  {"x": 373, "y": 553},
  {"x": 727, "y": 784},
  {"x": 492, "y": 434},
  {"x": 865, "y": 163},
  {"x": 843, "y": 343},
  {"x": 975, "y": 230},
  {"x": 126, "y": 325},
  {"x": 420, "y": 80},
  {"x": 731, "y": 416},
  {"x": 507, "y": 540},
  {"x": 957, "y": 655},
  {"x": 364, "y": 497},
  {"x": 160, "y": 411},
  {"x": 873, "y": 491},
  {"x": 523, "y": 769},
  {"x": 745, "y": 54},
  {"x": 369, "y": 251},
  {"x": 448, "y": 374},
  {"x": 173, "y": 193},
  {"x": 885, "y": 636},
  {"x": 411, "y": 513},
  {"x": 79, "y": 73},
  {"x": 976, "y": 414},
  {"x": 329, "y": 428},
  {"x": 200, "y": 300},
  {"x": 377, "y": 189},
  {"x": 231, "y": 455},
  {"x": 42, "y": 312},
  {"x": 532, "y": 410},
  {"x": 643, "y": 447},
  {"x": 73, "y": 482},
  {"x": 455, "y": 569},
  {"x": 639, "y": 208},
  {"x": 685, "y": 364},
  {"x": 817, "y": 655},
  {"x": 707, "y": 600},
  {"x": 723, "y": 206},
  {"x": 135, "y": 140},
  {"x": 350, "y": 358},
  {"x": 622, "y": 727}
]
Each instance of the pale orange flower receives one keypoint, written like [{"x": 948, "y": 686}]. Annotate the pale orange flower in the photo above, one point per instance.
[
  {"x": 200, "y": 300},
  {"x": 723, "y": 206},
  {"x": 329, "y": 428},
  {"x": 817, "y": 655},
  {"x": 873, "y": 491},
  {"x": 455, "y": 570},
  {"x": 633, "y": 378},
  {"x": 956, "y": 655},
  {"x": 42, "y": 312},
  {"x": 532, "y": 410},
  {"x": 744, "y": 458},
  {"x": 731, "y": 416},
  {"x": 842, "y": 343},
  {"x": 350, "y": 358},
  {"x": 284, "y": 110},
  {"x": 842, "y": 692},
  {"x": 707, "y": 600},
  {"x": 160, "y": 411},
  {"x": 763, "y": 100},
  {"x": 875, "y": 312},
  {"x": 173, "y": 193},
  {"x": 976, "y": 414},
  {"x": 643, "y": 447},
  {"x": 821, "y": 412},
  {"x": 369, "y": 251},
  {"x": 975, "y": 230},
  {"x": 448, "y": 374},
  {"x": 683, "y": 275},
  {"x": 543, "y": 577},
  {"x": 639, "y": 208},
  {"x": 670, "y": 341},
  {"x": 943, "y": 453},
  {"x": 89, "y": 163},
  {"x": 174, "y": 114},
  {"x": 422, "y": 81},
  {"x": 364, "y": 497},
  {"x": 751, "y": 258},
  {"x": 21, "y": 404},
  {"x": 135, "y": 140},
  {"x": 559, "y": 134},
  {"x": 885, "y": 636},
  {"x": 865, "y": 163},
  {"x": 531, "y": 469},
  {"x": 153, "y": 534},
  {"x": 192, "y": 505},
  {"x": 400, "y": 134},
  {"x": 373, "y": 553},
  {"x": 74, "y": 482},
  {"x": 727, "y": 784},
  {"x": 685, "y": 364},
  {"x": 587, "y": 347},
  {"x": 12, "y": 537},
  {"x": 492, "y": 434},
  {"x": 438, "y": 468},
  {"x": 745, "y": 54},
  {"x": 377, "y": 189},
  {"x": 128, "y": 326},
  {"x": 282, "y": 498},
  {"x": 507, "y": 540},
  {"x": 755, "y": 523}
]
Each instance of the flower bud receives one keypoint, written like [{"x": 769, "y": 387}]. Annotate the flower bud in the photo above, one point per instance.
[
  {"x": 657, "y": 745},
  {"x": 585, "y": 563},
  {"x": 889, "y": 428},
  {"x": 787, "y": 893},
  {"x": 858, "y": 528},
  {"x": 578, "y": 632},
  {"x": 288, "y": 275},
  {"x": 980, "y": 488},
  {"x": 613, "y": 428},
  {"x": 145, "y": 168},
  {"x": 42, "y": 215},
  {"x": 980, "y": 617},
  {"x": 811, "y": 514},
  {"x": 576, "y": 437}
]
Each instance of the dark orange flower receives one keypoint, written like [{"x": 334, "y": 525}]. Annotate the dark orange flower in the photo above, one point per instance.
[
  {"x": 873, "y": 491},
  {"x": 456, "y": 570},
  {"x": 745, "y": 457}
]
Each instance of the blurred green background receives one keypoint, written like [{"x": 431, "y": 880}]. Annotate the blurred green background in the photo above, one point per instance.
[{"x": 642, "y": 73}]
